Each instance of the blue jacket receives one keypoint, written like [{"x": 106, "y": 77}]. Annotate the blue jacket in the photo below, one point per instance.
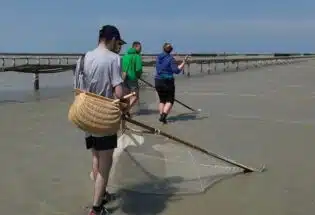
[{"x": 166, "y": 66}]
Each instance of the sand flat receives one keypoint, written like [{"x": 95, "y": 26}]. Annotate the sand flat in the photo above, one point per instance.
[{"x": 255, "y": 117}]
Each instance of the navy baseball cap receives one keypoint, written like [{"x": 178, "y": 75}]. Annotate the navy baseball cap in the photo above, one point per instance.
[{"x": 110, "y": 32}]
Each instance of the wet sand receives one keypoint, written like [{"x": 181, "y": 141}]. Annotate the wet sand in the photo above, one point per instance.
[{"x": 261, "y": 116}]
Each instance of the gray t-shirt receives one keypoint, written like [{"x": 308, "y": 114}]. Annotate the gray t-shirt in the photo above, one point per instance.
[{"x": 102, "y": 72}]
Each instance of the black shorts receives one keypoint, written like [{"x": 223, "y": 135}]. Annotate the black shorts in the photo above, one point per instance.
[
  {"x": 166, "y": 90},
  {"x": 101, "y": 143}
]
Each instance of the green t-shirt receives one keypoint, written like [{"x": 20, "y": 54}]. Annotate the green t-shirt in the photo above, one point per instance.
[{"x": 132, "y": 64}]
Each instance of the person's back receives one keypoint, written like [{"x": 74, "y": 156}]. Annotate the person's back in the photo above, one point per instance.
[
  {"x": 99, "y": 76},
  {"x": 132, "y": 64},
  {"x": 166, "y": 66}
]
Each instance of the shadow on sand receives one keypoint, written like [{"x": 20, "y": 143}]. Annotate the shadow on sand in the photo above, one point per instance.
[
  {"x": 143, "y": 111},
  {"x": 186, "y": 117},
  {"x": 143, "y": 108},
  {"x": 137, "y": 203}
]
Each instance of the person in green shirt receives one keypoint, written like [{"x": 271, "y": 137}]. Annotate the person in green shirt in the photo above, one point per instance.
[{"x": 132, "y": 71}]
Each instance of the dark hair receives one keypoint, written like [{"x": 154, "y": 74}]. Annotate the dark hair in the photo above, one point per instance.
[
  {"x": 136, "y": 43},
  {"x": 167, "y": 47},
  {"x": 100, "y": 36},
  {"x": 109, "y": 32}
]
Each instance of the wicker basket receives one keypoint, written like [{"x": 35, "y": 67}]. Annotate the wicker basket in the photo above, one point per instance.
[{"x": 95, "y": 114}]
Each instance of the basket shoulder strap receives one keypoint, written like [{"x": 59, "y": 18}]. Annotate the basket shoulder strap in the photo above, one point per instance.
[
  {"x": 81, "y": 68},
  {"x": 79, "y": 73}
]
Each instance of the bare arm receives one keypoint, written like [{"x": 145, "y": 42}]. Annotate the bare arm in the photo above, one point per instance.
[
  {"x": 182, "y": 65},
  {"x": 178, "y": 68},
  {"x": 76, "y": 75},
  {"x": 117, "y": 79},
  {"x": 118, "y": 90}
]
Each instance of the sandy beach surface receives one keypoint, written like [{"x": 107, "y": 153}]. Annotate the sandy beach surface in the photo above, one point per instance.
[{"x": 258, "y": 116}]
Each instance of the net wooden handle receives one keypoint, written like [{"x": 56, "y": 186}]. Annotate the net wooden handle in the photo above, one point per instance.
[{"x": 125, "y": 97}]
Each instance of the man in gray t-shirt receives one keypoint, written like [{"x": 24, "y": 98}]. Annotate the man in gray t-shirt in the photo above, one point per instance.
[{"x": 99, "y": 72}]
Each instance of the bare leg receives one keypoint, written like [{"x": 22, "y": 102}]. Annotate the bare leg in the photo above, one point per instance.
[
  {"x": 133, "y": 100},
  {"x": 162, "y": 114},
  {"x": 167, "y": 108},
  {"x": 165, "y": 111},
  {"x": 95, "y": 160},
  {"x": 127, "y": 91},
  {"x": 105, "y": 161},
  {"x": 161, "y": 107}
]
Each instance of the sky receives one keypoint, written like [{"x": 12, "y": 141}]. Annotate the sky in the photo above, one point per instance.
[{"x": 195, "y": 26}]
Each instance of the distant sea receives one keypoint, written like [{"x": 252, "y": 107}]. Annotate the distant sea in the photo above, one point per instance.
[{"x": 18, "y": 87}]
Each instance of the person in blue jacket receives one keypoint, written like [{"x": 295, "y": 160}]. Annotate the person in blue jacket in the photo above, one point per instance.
[{"x": 166, "y": 67}]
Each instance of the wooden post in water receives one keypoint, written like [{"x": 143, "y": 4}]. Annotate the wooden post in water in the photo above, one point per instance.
[
  {"x": 188, "y": 69},
  {"x": 237, "y": 66},
  {"x": 3, "y": 64},
  {"x": 224, "y": 69},
  {"x": 36, "y": 81}
]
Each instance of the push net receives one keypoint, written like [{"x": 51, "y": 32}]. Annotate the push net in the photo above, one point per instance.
[{"x": 149, "y": 163}]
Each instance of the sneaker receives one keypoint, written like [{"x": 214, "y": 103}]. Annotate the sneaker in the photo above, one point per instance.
[
  {"x": 163, "y": 118},
  {"x": 164, "y": 121},
  {"x": 104, "y": 211},
  {"x": 109, "y": 197}
]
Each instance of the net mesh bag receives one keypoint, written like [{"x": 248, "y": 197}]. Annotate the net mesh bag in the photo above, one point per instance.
[
  {"x": 149, "y": 163},
  {"x": 95, "y": 114}
]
